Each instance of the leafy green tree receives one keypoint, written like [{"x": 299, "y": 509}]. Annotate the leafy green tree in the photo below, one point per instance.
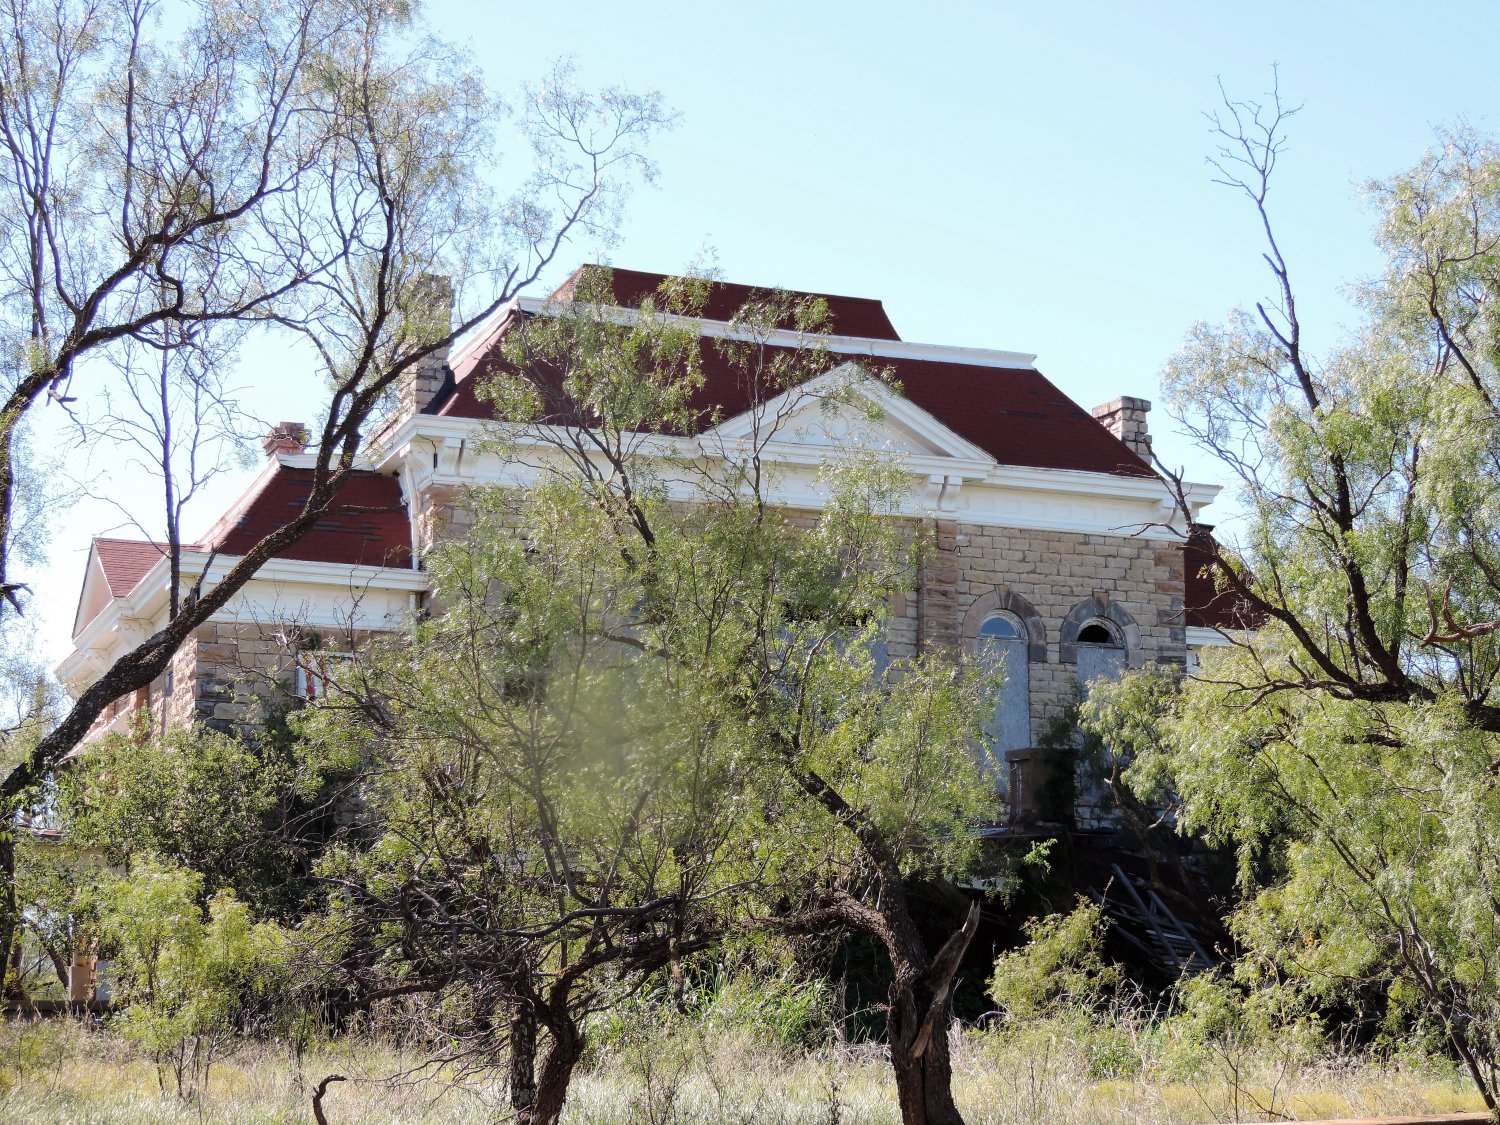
[
  {"x": 1062, "y": 965},
  {"x": 872, "y": 783},
  {"x": 178, "y": 180},
  {"x": 650, "y": 708},
  {"x": 1348, "y": 748},
  {"x": 556, "y": 820},
  {"x": 246, "y": 817},
  {"x": 188, "y": 979}
]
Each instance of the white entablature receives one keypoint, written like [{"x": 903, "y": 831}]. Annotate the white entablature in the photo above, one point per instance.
[
  {"x": 795, "y": 433},
  {"x": 284, "y": 591}
]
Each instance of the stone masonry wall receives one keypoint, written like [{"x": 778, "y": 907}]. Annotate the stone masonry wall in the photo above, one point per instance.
[
  {"x": 1054, "y": 581},
  {"x": 1055, "y": 571},
  {"x": 968, "y": 570},
  {"x": 237, "y": 674}
]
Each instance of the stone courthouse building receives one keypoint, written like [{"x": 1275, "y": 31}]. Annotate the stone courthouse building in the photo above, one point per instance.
[{"x": 1054, "y": 540}]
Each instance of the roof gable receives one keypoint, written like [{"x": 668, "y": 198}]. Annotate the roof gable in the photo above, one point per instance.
[
  {"x": 114, "y": 568},
  {"x": 125, "y": 562},
  {"x": 368, "y": 526},
  {"x": 847, "y": 408}
]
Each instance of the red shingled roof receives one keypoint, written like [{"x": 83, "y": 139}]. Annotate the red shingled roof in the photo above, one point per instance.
[
  {"x": 1207, "y": 606},
  {"x": 849, "y": 316},
  {"x": 125, "y": 562},
  {"x": 1014, "y": 414},
  {"x": 378, "y": 536}
]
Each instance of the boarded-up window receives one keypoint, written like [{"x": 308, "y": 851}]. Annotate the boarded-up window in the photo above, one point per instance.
[
  {"x": 880, "y": 656},
  {"x": 1098, "y": 662},
  {"x": 1002, "y": 640},
  {"x": 1101, "y": 657}
]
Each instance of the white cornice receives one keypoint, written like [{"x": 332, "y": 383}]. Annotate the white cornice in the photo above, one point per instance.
[
  {"x": 1200, "y": 637},
  {"x": 126, "y": 621},
  {"x": 433, "y": 433},
  {"x": 1078, "y": 481}
]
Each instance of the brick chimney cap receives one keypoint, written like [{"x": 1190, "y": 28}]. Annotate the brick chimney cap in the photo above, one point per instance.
[
  {"x": 1124, "y": 402},
  {"x": 285, "y": 437}
]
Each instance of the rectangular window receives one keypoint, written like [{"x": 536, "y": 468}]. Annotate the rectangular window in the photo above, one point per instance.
[{"x": 318, "y": 673}]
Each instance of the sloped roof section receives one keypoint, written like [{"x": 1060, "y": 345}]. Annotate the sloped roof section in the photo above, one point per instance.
[
  {"x": 1206, "y": 605},
  {"x": 849, "y": 316},
  {"x": 1016, "y": 415},
  {"x": 367, "y": 527},
  {"x": 126, "y": 561}
]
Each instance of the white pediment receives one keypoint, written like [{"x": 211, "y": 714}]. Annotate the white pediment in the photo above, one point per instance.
[
  {"x": 95, "y": 594},
  {"x": 847, "y": 409}
]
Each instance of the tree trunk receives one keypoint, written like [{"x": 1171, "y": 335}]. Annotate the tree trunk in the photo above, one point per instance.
[
  {"x": 920, "y": 1010},
  {"x": 924, "y": 1081},
  {"x": 563, "y": 1053},
  {"x": 522, "y": 1060},
  {"x": 9, "y": 913}
]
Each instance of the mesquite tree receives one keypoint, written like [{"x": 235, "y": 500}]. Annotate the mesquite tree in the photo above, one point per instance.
[
  {"x": 840, "y": 781},
  {"x": 1352, "y": 738},
  {"x": 297, "y": 166}
]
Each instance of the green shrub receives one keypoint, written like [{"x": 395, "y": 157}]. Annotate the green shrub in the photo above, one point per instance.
[
  {"x": 186, "y": 978},
  {"x": 785, "y": 1009},
  {"x": 1062, "y": 966}
]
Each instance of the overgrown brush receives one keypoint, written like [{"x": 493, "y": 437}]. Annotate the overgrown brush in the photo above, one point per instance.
[{"x": 1066, "y": 1068}]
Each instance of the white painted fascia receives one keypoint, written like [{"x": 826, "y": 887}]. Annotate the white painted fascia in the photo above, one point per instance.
[
  {"x": 483, "y": 334},
  {"x": 340, "y": 575},
  {"x": 103, "y": 631},
  {"x": 1199, "y": 636},
  {"x": 1095, "y": 484},
  {"x": 427, "y": 449},
  {"x": 308, "y": 461},
  {"x": 1142, "y": 500},
  {"x": 788, "y": 337},
  {"x": 93, "y": 574},
  {"x": 128, "y": 620}
]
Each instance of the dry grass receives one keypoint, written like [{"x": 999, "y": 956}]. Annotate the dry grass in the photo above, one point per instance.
[{"x": 1051, "y": 1073}]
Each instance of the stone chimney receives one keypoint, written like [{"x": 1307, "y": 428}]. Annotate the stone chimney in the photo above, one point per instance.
[
  {"x": 285, "y": 437},
  {"x": 1126, "y": 418},
  {"x": 430, "y": 316}
]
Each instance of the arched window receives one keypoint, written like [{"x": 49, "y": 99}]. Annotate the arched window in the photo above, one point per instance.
[
  {"x": 1099, "y": 632},
  {"x": 1000, "y": 626},
  {"x": 1003, "y": 640}
]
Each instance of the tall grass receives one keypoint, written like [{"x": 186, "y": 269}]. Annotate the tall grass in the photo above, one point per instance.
[{"x": 1064, "y": 1070}]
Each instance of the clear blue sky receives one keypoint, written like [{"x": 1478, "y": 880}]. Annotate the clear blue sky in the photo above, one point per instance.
[{"x": 1020, "y": 176}]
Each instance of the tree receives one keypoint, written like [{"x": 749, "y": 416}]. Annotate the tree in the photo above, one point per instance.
[
  {"x": 1348, "y": 747},
  {"x": 301, "y": 166},
  {"x": 555, "y": 821},
  {"x": 247, "y": 817},
  {"x": 868, "y": 783},
  {"x": 187, "y": 983}
]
